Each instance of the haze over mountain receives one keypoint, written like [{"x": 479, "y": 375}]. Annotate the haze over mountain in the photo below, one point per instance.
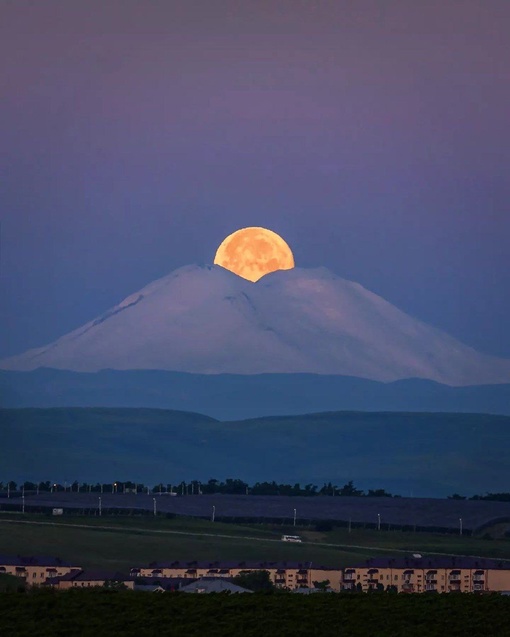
[
  {"x": 238, "y": 396},
  {"x": 428, "y": 455},
  {"x": 207, "y": 320}
]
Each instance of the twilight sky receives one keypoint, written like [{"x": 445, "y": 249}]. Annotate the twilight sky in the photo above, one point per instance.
[{"x": 372, "y": 135}]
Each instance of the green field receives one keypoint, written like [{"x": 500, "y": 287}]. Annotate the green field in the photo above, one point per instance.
[{"x": 119, "y": 542}]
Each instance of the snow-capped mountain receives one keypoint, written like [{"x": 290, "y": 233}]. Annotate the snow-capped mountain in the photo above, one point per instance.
[{"x": 209, "y": 320}]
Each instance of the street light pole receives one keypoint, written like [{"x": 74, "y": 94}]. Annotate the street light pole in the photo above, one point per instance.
[
  {"x": 213, "y": 513},
  {"x": 378, "y": 521},
  {"x": 154, "y": 501},
  {"x": 460, "y": 526},
  {"x": 23, "y": 503},
  {"x": 295, "y": 513},
  {"x": 100, "y": 507}
]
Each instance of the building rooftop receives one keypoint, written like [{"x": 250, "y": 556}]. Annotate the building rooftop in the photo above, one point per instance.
[
  {"x": 78, "y": 575},
  {"x": 213, "y": 585},
  {"x": 191, "y": 565},
  {"x": 434, "y": 562},
  {"x": 33, "y": 560}
]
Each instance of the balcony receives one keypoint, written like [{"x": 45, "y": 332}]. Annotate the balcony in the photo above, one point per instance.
[{"x": 349, "y": 577}]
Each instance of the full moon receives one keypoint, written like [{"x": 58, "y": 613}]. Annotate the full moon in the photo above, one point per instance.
[{"x": 253, "y": 252}]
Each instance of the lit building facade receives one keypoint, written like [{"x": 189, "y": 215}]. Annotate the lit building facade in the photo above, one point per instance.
[{"x": 429, "y": 574}]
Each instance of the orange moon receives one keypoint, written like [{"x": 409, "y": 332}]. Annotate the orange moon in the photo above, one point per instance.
[{"x": 253, "y": 252}]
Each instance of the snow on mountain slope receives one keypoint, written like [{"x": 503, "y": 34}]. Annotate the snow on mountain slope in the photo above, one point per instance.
[{"x": 208, "y": 320}]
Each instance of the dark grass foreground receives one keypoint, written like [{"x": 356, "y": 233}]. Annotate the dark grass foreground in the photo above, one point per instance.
[{"x": 97, "y": 613}]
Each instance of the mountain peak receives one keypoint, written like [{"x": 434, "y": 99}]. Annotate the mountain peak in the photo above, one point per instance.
[{"x": 205, "y": 319}]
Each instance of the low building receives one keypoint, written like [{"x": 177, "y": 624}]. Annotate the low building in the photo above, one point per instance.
[
  {"x": 213, "y": 585},
  {"x": 160, "y": 585},
  {"x": 286, "y": 575},
  {"x": 35, "y": 570},
  {"x": 90, "y": 579},
  {"x": 442, "y": 574}
]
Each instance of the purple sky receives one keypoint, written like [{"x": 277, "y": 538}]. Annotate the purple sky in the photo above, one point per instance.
[{"x": 372, "y": 135}]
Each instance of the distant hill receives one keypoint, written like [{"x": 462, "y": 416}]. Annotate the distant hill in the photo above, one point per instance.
[
  {"x": 420, "y": 454},
  {"x": 231, "y": 397}
]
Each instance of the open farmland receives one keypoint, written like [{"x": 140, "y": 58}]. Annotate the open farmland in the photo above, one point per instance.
[
  {"x": 407, "y": 513},
  {"x": 120, "y": 542}
]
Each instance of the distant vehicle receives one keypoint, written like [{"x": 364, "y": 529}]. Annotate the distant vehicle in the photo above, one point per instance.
[
  {"x": 417, "y": 555},
  {"x": 291, "y": 538},
  {"x": 58, "y": 511}
]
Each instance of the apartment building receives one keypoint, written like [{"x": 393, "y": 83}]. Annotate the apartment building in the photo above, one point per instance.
[
  {"x": 34, "y": 570},
  {"x": 286, "y": 575},
  {"x": 427, "y": 574}
]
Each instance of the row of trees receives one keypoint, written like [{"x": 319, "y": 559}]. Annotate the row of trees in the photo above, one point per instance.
[
  {"x": 230, "y": 486},
  {"x": 500, "y": 497},
  {"x": 195, "y": 487}
]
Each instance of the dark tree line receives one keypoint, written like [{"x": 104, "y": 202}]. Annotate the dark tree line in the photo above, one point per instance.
[
  {"x": 231, "y": 486},
  {"x": 195, "y": 487}
]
